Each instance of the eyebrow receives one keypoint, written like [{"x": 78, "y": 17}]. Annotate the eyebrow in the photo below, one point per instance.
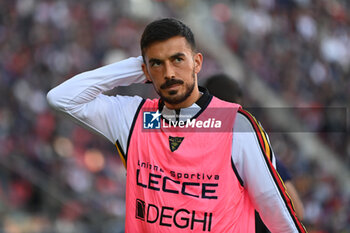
[{"x": 176, "y": 55}]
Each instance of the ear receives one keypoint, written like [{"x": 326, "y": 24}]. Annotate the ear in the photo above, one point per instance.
[
  {"x": 198, "y": 61},
  {"x": 145, "y": 71}
]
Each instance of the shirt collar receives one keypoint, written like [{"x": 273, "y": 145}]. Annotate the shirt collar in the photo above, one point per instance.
[{"x": 190, "y": 112}]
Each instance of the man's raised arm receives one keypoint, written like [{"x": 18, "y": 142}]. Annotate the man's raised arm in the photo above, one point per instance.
[{"x": 81, "y": 97}]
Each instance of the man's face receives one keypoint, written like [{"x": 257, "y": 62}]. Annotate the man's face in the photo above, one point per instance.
[{"x": 172, "y": 67}]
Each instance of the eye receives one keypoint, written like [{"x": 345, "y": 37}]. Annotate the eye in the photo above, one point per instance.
[
  {"x": 155, "y": 63},
  {"x": 178, "y": 59}
]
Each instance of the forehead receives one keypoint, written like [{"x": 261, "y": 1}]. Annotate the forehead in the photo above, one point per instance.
[{"x": 167, "y": 48}]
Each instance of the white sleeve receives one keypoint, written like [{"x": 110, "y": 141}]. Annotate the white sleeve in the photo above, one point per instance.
[
  {"x": 111, "y": 116},
  {"x": 256, "y": 172}
]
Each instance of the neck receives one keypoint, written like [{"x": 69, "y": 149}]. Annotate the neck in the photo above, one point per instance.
[{"x": 195, "y": 95}]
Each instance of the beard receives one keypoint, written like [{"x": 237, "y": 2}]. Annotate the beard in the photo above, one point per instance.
[{"x": 172, "y": 97}]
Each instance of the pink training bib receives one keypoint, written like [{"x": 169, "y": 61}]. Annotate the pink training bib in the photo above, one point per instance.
[{"x": 180, "y": 176}]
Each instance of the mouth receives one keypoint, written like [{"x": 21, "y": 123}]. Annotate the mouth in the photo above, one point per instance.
[
  {"x": 171, "y": 84},
  {"x": 174, "y": 86}
]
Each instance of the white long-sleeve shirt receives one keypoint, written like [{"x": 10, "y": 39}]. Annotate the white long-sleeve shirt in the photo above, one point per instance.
[{"x": 82, "y": 98}]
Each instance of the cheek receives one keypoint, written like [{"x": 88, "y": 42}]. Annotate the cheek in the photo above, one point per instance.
[
  {"x": 188, "y": 71},
  {"x": 156, "y": 81},
  {"x": 156, "y": 72},
  {"x": 184, "y": 68}
]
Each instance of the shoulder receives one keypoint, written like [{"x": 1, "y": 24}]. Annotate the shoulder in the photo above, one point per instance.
[
  {"x": 222, "y": 103},
  {"x": 245, "y": 122},
  {"x": 248, "y": 131}
]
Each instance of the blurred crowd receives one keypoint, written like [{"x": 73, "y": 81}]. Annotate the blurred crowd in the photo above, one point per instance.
[
  {"x": 301, "y": 48},
  {"x": 57, "y": 177}
]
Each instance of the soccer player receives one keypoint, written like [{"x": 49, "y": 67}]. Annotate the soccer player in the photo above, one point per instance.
[{"x": 194, "y": 163}]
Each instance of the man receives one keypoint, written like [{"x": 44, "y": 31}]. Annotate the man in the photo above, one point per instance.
[
  {"x": 187, "y": 170},
  {"x": 228, "y": 89}
]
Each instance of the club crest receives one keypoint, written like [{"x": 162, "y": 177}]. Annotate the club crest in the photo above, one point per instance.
[{"x": 174, "y": 142}]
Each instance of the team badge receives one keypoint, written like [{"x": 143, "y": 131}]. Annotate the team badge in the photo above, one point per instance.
[{"x": 174, "y": 142}]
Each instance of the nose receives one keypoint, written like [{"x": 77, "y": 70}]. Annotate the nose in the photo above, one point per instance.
[{"x": 169, "y": 71}]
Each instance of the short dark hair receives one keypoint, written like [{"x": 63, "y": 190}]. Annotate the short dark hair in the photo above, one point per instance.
[{"x": 163, "y": 29}]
